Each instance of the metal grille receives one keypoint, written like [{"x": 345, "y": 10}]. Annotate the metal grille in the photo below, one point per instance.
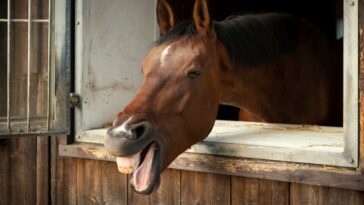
[{"x": 28, "y": 97}]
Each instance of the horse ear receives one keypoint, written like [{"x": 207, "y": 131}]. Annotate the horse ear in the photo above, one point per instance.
[
  {"x": 201, "y": 16},
  {"x": 165, "y": 16}
]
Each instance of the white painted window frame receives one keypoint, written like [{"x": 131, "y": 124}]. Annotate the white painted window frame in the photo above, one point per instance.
[{"x": 334, "y": 146}]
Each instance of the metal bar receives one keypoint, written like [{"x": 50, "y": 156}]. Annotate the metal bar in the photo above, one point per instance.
[
  {"x": 29, "y": 66},
  {"x": 25, "y": 20},
  {"x": 49, "y": 62},
  {"x": 8, "y": 70}
]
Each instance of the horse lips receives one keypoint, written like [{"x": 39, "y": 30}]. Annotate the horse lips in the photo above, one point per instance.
[{"x": 142, "y": 173}]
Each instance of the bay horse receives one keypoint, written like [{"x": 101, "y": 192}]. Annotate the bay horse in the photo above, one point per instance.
[{"x": 276, "y": 68}]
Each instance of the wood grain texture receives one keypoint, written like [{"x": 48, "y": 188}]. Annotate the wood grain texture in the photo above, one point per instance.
[
  {"x": 248, "y": 191},
  {"x": 42, "y": 170},
  {"x": 114, "y": 185},
  {"x": 23, "y": 170},
  {"x": 315, "y": 195},
  {"x": 4, "y": 172},
  {"x": 204, "y": 188},
  {"x": 88, "y": 180},
  {"x": 63, "y": 176},
  {"x": 167, "y": 193},
  {"x": 276, "y": 171},
  {"x": 94, "y": 184}
]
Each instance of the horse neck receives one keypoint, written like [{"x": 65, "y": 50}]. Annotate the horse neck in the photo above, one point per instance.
[
  {"x": 247, "y": 89},
  {"x": 250, "y": 88}
]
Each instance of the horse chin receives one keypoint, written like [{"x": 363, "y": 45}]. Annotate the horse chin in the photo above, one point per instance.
[{"x": 145, "y": 168}]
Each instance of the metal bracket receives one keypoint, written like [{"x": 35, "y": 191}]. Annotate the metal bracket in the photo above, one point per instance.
[{"x": 74, "y": 99}]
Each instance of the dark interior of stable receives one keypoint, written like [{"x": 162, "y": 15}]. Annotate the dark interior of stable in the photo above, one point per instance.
[{"x": 324, "y": 14}]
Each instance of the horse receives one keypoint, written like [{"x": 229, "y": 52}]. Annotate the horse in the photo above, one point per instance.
[{"x": 273, "y": 66}]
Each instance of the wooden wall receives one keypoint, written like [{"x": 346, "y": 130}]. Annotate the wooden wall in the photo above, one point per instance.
[
  {"x": 24, "y": 171},
  {"x": 80, "y": 181},
  {"x": 31, "y": 172}
]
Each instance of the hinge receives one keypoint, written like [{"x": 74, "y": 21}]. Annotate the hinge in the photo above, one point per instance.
[{"x": 74, "y": 99}]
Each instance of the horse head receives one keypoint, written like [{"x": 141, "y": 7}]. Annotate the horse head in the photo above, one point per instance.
[{"x": 177, "y": 103}]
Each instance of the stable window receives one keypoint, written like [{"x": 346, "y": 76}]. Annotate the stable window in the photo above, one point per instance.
[
  {"x": 112, "y": 38},
  {"x": 34, "y": 50}
]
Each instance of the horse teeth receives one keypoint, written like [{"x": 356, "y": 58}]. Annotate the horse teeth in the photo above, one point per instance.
[{"x": 126, "y": 170}]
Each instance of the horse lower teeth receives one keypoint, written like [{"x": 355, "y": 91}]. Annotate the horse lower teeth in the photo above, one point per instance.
[{"x": 126, "y": 170}]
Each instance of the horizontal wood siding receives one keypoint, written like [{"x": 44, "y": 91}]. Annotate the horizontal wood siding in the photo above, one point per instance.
[
  {"x": 187, "y": 187},
  {"x": 25, "y": 179}
]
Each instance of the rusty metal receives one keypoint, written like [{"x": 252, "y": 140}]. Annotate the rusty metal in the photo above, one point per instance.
[{"x": 74, "y": 99}]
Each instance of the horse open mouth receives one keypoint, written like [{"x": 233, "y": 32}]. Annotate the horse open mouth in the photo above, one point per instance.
[{"x": 144, "y": 167}]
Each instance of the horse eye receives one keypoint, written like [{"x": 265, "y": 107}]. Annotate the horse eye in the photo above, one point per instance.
[{"x": 193, "y": 73}]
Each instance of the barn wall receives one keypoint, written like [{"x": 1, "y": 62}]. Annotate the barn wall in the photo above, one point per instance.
[
  {"x": 81, "y": 181},
  {"x": 24, "y": 171},
  {"x": 28, "y": 177}
]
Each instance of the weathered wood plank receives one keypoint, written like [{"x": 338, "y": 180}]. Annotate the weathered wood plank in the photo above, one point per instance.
[
  {"x": 42, "y": 170},
  {"x": 55, "y": 167},
  {"x": 168, "y": 192},
  {"x": 248, "y": 191},
  {"x": 99, "y": 183},
  {"x": 114, "y": 185},
  {"x": 278, "y": 171},
  {"x": 84, "y": 182},
  {"x": 22, "y": 170},
  {"x": 302, "y": 194},
  {"x": 40, "y": 9},
  {"x": 204, "y": 188},
  {"x": 4, "y": 172},
  {"x": 19, "y": 9},
  {"x": 63, "y": 173}
]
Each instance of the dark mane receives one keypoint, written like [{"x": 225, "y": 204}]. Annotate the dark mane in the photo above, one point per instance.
[{"x": 251, "y": 40}]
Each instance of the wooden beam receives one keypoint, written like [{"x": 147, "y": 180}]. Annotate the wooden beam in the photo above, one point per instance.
[{"x": 280, "y": 171}]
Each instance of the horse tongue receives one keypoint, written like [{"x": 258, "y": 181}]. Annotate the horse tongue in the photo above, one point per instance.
[
  {"x": 143, "y": 175},
  {"x": 126, "y": 164}
]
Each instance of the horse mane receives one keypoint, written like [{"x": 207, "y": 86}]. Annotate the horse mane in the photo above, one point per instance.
[{"x": 251, "y": 40}]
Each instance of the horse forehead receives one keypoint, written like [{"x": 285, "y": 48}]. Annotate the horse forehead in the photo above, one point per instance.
[
  {"x": 175, "y": 54},
  {"x": 164, "y": 55}
]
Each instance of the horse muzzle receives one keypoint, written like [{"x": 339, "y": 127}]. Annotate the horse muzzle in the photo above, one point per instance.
[
  {"x": 127, "y": 139},
  {"x": 137, "y": 151}
]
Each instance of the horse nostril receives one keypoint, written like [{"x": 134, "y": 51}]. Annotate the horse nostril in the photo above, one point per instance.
[{"x": 140, "y": 129}]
